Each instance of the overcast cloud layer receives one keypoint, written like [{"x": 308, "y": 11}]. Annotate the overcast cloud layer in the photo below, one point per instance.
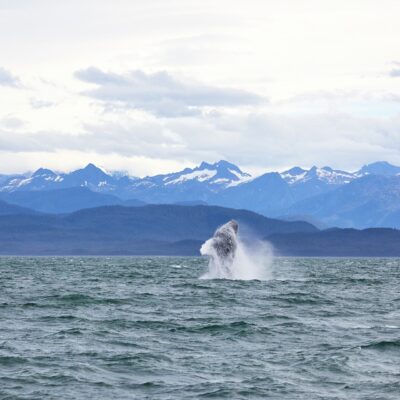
[{"x": 153, "y": 86}]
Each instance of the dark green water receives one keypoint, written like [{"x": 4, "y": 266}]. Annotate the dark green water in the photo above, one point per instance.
[{"x": 148, "y": 328}]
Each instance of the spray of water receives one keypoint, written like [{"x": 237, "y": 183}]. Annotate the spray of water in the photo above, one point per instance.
[{"x": 244, "y": 262}]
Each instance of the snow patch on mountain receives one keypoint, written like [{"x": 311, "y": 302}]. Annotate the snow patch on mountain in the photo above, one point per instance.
[
  {"x": 217, "y": 176},
  {"x": 327, "y": 175},
  {"x": 201, "y": 176},
  {"x": 246, "y": 178},
  {"x": 289, "y": 178}
]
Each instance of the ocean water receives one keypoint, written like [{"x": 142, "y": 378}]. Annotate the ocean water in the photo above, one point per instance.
[{"x": 149, "y": 328}]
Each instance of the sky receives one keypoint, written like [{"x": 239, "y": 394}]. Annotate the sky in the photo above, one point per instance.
[{"x": 154, "y": 86}]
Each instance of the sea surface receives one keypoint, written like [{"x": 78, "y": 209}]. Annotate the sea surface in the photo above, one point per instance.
[{"x": 149, "y": 328}]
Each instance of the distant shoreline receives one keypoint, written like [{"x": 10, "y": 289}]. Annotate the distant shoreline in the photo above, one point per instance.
[{"x": 176, "y": 230}]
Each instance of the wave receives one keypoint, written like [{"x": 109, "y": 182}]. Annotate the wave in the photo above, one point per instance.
[{"x": 383, "y": 345}]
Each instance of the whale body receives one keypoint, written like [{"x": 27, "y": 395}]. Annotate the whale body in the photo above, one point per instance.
[
  {"x": 225, "y": 241},
  {"x": 221, "y": 248}
]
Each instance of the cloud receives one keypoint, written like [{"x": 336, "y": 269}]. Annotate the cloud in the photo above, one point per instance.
[
  {"x": 39, "y": 103},
  {"x": 255, "y": 141},
  {"x": 7, "y": 79},
  {"x": 395, "y": 73},
  {"x": 162, "y": 94},
  {"x": 11, "y": 122}
]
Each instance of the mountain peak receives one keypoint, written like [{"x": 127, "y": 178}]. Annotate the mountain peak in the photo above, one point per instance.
[
  {"x": 223, "y": 167},
  {"x": 379, "y": 168},
  {"x": 43, "y": 171},
  {"x": 293, "y": 174},
  {"x": 312, "y": 173},
  {"x": 205, "y": 165},
  {"x": 295, "y": 171},
  {"x": 221, "y": 164},
  {"x": 91, "y": 167},
  {"x": 380, "y": 163},
  {"x": 226, "y": 164}
]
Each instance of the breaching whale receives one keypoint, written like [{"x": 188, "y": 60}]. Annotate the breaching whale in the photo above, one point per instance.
[
  {"x": 230, "y": 258},
  {"x": 221, "y": 248}
]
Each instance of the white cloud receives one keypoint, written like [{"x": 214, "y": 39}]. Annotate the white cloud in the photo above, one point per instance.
[
  {"x": 39, "y": 103},
  {"x": 160, "y": 93}
]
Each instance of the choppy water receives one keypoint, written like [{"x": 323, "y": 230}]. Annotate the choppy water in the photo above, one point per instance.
[{"x": 148, "y": 328}]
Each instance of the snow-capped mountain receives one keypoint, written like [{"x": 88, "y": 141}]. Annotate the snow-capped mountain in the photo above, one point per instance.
[
  {"x": 186, "y": 185},
  {"x": 293, "y": 175},
  {"x": 198, "y": 183},
  {"x": 379, "y": 168},
  {"x": 39, "y": 180},
  {"x": 295, "y": 192},
  {"x": 219, "y": 175},
  {"x": 297, "y": 175},
  {"x": 45, "y": 179}
]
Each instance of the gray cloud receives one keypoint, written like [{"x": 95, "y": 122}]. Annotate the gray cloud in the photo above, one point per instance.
[
  {"x": 160, "y": 93},
  {"x": 8, "y": 79},
  {"x": 11, "y": 122},
  {"x": 395, "y": 73},
  {"x": 39, "y": 103}
]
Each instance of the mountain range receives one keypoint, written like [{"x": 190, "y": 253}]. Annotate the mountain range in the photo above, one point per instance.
[
  {"x": 151, "y": 229},
  {"x": 324, "y": 196},
  {"x": 177, "y": 230}
]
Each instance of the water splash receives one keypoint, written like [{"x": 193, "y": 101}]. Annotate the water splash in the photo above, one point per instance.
[{"x": 237, "y": 260}]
